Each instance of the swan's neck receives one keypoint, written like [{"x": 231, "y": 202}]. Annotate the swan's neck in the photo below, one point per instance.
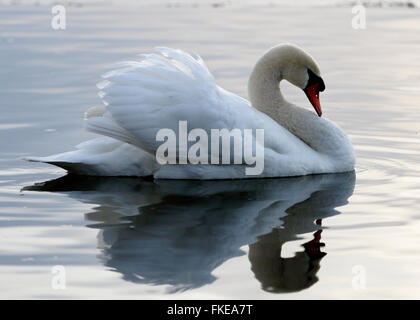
[
  {"x": 265, "y": 95},
  {"x": 264, "y": 86},
  {"x": 264, "y": 92},
  {"x": 285, "y": 62}
]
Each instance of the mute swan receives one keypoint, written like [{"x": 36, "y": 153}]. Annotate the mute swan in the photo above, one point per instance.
[{"x": 142, "y": 97}]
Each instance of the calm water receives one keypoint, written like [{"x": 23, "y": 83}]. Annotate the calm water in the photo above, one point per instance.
[{"x": 354, "y": 235}]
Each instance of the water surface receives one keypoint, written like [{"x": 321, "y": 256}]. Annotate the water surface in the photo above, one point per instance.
[{"x": 304, "y": 237}]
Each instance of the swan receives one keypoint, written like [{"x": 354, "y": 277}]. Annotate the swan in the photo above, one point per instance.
[{"x": 169, "y": 86}]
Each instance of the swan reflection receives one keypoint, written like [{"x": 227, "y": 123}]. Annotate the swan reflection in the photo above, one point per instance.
[{"x": 177, "y": 232}]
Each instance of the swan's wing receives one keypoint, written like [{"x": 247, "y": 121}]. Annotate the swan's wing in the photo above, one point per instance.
[
  {"x": 143, "y": 97},
  {"x": 156, "y": 93}
]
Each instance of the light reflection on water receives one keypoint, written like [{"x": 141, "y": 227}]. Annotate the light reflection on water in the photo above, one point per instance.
[
  {"x": 178, "y": 232},
  {"x": 162, "y": 237}
]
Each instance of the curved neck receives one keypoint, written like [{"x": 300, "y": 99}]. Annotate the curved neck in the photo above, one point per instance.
[
  {"x": 287, "y": 62},
  {"x": 265, "y": 95},
  {"x": 264, "y": 90},
  {"x": 284, "y": 61}
]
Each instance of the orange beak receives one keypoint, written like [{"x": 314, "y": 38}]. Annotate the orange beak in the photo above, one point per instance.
[{"x": 312, "y": 92}]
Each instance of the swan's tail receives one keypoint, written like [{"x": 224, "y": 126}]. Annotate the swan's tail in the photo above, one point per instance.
[
  {"x": 103, "y": 157},
  {"x": 72, "y": 167}
]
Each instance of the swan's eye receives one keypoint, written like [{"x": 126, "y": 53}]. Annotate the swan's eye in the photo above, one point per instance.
[{"x": 315, "y": 79}]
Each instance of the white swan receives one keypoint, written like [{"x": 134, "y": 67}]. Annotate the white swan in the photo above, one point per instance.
[{"x": 143, "y": 97}]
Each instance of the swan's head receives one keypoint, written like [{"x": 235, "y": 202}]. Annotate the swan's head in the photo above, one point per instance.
[
  {"x": 289, "y": 62},
  {"x": 300, "y": 69}
]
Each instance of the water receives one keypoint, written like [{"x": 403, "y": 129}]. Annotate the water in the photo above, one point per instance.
[{"x": 352, "y": 235}]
